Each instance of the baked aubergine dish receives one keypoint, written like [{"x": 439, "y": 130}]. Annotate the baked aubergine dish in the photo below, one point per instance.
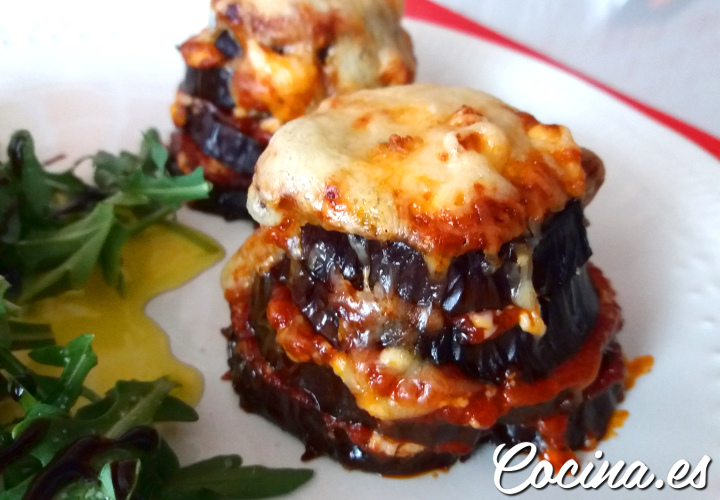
[
  {"x": 266, "y": 62},
  {"x": 419, "y": 283}
]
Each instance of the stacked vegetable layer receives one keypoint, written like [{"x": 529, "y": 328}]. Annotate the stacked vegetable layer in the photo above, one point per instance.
[
  {"x": 400, "y": 333},
  {"x": 262, "y": 65},
  {"x": 290, "y": 362}
]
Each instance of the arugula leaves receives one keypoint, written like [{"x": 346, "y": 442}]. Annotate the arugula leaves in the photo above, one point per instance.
[
  {"x": 226, "y": 477},
  {"x": 15, "y": 333},
  {"x": 72, "y": 444},
  {"x": 61, "y": 440},
  {"x": 55, "y": 228}
]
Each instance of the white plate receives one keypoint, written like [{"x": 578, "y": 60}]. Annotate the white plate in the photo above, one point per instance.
[{"x": 655, "y": 232}]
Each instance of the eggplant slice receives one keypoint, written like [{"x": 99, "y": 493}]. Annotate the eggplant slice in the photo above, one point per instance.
[
  {"x": 222, "y": 141},
  {"x": 218, "y": 139},
  {"x": 569, "y": 314},
  {"x": 211, "y": 84},
  {"x": 568, "y": 299},
  {"x": 313, "y": 404},
  {"x": 471, "y": 284}
]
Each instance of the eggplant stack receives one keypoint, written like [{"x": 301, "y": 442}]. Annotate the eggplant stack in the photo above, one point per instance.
[
  {"x": 267, "y": 62},
  {"x": 420, "y": 283}
]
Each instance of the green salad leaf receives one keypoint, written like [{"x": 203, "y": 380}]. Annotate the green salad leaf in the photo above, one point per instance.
[
  {"x": 55, "y": 228},
  {"x": 225, "y": 477},
  {"x": 16, "y": 333},
  {"x": 58, "y": 439},
  {"x": 71, "y": 444}
]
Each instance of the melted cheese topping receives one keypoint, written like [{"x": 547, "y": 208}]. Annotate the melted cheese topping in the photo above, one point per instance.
[
  {"x": 298, "y": 52},
  {"x": 446, "y": 170}
]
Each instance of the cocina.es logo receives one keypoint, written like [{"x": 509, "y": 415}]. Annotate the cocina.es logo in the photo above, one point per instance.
[{"x": 619, "y": 475}]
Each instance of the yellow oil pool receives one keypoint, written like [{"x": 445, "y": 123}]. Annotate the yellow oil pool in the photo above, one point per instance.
[{"x": 129, "y": 345}]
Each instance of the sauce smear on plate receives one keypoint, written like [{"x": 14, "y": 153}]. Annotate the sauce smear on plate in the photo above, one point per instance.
[
  {"x": 636, "y": 368},
  {"x": 129, "y": 344}
]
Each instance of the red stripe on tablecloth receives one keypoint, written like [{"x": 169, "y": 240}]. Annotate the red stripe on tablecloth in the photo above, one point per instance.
[{"x": 426, "y": 10}]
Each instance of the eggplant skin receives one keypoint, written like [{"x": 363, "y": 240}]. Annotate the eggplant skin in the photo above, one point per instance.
[
  {"x": 588, "y": 420},
  {"x": 569, "y": 314},
  {"x": 562, "y": 249},
  {"x": 226, "y": 43},
  {"x": 325, "y": 251},
  {"x": 231, "y": 204},
  {"x": 211, "y": 84},
  {"x": 235, "y": 150},
  {"x": 473, "y": 285}
]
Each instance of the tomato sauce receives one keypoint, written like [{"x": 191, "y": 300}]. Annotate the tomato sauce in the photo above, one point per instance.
[{"x": 636, "y": 368}]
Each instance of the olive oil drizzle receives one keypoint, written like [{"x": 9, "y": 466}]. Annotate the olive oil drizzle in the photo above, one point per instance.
[{"x": 128, "y": 343}]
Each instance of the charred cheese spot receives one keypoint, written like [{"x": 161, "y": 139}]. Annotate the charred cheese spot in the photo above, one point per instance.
[{"x": 362, "y": 121}]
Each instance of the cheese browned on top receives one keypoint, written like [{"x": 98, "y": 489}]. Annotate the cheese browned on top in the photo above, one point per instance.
[
  {"x": 297, "y": 52},
  {"x": 446, "y": 170}
]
